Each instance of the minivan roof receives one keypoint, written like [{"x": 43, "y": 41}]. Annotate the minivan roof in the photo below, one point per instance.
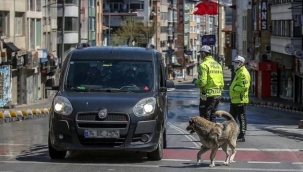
[{"x": 113, "y": 52}]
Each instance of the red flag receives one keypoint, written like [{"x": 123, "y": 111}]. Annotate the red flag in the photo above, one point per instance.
[{"x": 206, "y": 7}]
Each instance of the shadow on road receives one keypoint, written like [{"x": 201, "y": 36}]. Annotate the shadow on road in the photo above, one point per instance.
[
  {"x": 39, "y": 153},
  {"x": 191, "y": 165}
]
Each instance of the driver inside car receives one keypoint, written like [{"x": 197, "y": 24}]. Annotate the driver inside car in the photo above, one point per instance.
[
  {"x": 130, "y": 77},
  {"x": 93, "y": 77}
]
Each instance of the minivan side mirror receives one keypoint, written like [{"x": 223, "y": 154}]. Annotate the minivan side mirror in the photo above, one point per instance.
[
  {"x": 50, "y": 84},
  {"x": 169, "y": 86}
]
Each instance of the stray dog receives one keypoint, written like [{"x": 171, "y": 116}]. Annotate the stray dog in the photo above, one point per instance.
[{"x": 214, "y": 135}]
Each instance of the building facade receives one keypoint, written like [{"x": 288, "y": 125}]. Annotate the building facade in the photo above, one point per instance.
[
  {"x": 28, "y": 49},
  {"x": 286, "y": 47}
]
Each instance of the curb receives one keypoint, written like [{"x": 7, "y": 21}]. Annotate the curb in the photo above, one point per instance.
[
  {"x": 272, "y": 105},
  {"x": 23, "y": 114}
]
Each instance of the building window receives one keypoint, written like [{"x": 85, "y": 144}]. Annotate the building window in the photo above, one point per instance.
[
  {"x": 32, "y": 34},
  {"x": 19, "y": 24},
  {"x": 4, "y": 23},
  {"x": 31, "y": 5},
  {"x": 92, "y": 24},
  {"x": 91, "y": 3},
  {"x": 282, "y": 28},
  {"x": 38, "y": 5},
  {"x": 286, "y": 90},
  {"x": 71, "y": 2},
  {"x": 38, "y": 32},
  {"x": 137, "y": 5},
  {"x": 71, "y": 24}
]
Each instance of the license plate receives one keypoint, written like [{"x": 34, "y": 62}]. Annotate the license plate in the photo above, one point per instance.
[{"x": 101, "y": 133}]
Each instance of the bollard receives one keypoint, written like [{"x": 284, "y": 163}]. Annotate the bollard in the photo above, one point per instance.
[
  {"x": 24, "y": 113},
  {"x": 1, "y": 117},
  {"x": 19, "y": 115},
  {"x": 301, "y": 124},
  {"x": 46, "y": 111},
  {"x": 30, "y": 113},
  {"x": 7, "y": 116},
  {"x": 38, "y": 113}
]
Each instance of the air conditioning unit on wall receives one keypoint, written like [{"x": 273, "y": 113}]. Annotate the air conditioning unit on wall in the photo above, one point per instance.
[{"x": 266, "y": 57}]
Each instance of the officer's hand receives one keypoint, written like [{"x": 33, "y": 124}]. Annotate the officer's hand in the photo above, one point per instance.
[{"x": 194, "y": 80}]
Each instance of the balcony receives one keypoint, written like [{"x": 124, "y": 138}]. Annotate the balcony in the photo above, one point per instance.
[{"x": 122, "y": 8}]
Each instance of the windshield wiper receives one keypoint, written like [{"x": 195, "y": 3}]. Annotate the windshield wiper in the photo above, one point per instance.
[{"x": 111, "y": 90}]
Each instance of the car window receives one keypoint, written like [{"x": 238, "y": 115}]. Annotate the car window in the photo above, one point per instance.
[{"x": 136, "y": 76}]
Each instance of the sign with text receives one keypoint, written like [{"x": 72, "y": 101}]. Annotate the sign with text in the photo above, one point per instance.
[
  {"x": 208, "y": 40},
  {"x": 264, "y": 14}
]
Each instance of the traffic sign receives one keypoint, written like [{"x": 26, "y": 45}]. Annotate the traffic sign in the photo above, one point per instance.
[{"x": 208, "y": 40}]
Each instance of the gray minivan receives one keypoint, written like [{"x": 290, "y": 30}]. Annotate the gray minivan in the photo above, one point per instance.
[{"x": 110, "y": 98}]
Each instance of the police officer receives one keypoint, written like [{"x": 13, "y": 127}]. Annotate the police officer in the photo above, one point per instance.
[
  {"x": 210, "y": 81},
  {"x": 238, "y": 92}
]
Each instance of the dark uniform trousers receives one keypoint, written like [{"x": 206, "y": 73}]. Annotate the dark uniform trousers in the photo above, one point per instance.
[
  {"x": 208, "y": 107},
  {"x": 238, "y": 112}
]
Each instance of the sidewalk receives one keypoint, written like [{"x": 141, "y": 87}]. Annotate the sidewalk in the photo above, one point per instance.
[{"x": 43, "y": 103}]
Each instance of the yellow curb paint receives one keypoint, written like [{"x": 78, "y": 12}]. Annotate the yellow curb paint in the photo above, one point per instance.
[
  {"x": 1, "y": 114},
  {"x": 13, "y": 113},
  {"x": 42, "y": 110},
  {"x": 34, "y": 111},
  {"x": 24, "y": 112}
]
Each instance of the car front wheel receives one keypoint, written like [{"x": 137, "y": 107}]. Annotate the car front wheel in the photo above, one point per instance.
[
  {"x": 157, "y": 154},
  {"x": 53, "y": 153}
]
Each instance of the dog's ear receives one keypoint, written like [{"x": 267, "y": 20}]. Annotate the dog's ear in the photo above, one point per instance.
[{"x": 191, "y": 120}]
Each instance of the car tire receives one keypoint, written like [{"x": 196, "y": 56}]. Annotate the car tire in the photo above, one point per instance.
[
  {"x": 164, "y": 140},
  {"x": 53, "y": 153},
  {"x": 157, "y": 154}
]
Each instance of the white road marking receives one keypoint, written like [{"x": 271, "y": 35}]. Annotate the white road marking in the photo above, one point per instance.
[
  {"x": 246, "y": 149},
  {"x": 297, "y": 163},
  {"x": 263, "y": 162},
  {"x": 7, "y": 155},
  {"x": 191, "y": 138},
  {"x": 11, "y": 144},
  {"x": 152, "y": 166},
  {"x": 241, "y": 149},
  {"x": 177, "y": 160}
]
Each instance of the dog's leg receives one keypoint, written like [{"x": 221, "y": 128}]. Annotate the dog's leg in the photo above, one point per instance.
[
  {"x": 232, "y": 146},
  {"x": 224, "y": 148},
  {"x": 202, "y": 151},
  {"x": 212, "y": 156}
]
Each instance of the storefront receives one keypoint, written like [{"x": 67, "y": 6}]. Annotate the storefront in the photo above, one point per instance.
[
  {"x": 263, "y": 78},
  {"x": 298, "y": 96}
]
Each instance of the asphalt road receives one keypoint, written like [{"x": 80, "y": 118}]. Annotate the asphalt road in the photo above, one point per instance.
[{"x": 23, "y": 145}]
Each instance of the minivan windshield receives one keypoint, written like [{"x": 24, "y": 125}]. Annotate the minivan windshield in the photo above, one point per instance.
[{"x": 110, "y": 76}]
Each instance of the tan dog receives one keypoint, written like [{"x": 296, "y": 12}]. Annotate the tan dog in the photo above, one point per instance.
[{"x": 213, "y": 135}]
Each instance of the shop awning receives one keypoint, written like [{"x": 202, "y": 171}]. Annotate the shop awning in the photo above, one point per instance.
[{"x": 11, "y": 46}]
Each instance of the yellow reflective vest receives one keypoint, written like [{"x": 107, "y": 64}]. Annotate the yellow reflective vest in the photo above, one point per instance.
[
  {"x": 210, "y": 79},
  {"x": 239, "y": 88}
]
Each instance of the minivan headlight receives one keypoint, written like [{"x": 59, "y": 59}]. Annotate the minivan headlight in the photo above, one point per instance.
[
  {"x": 145, "y": 107},
  {"x": 62, "y": 105}
]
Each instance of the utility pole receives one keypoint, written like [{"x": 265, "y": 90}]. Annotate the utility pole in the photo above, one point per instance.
[
  {"x": 62, "y": 33},
  {"x": 218, "y": 32},
  {"x": 79, "y": 20},
  {"x": 233, "y": 37}
]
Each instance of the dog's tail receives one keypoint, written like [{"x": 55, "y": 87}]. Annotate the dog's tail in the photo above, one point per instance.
[{"x": 226, "y": 115}]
